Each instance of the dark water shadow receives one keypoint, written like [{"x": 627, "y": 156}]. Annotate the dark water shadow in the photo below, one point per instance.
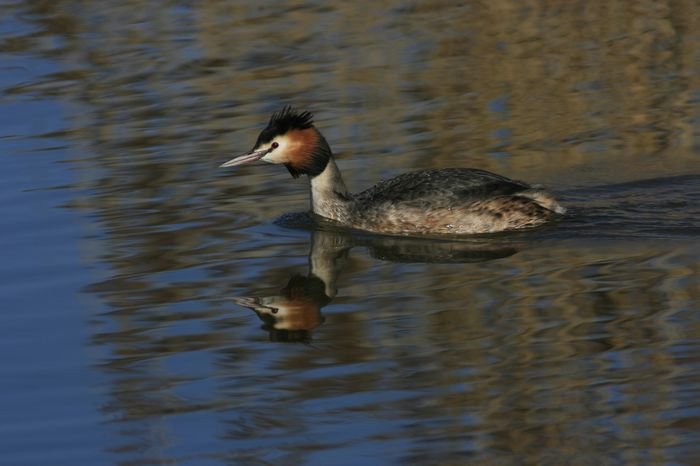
[{"x": 655, "y": 208}]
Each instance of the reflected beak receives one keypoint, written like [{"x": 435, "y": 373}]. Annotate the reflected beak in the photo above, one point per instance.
[{"x": 245, "y": 158}]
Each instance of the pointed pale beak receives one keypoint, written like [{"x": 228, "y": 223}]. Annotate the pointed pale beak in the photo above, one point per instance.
[{"x": 251, "y": 156}]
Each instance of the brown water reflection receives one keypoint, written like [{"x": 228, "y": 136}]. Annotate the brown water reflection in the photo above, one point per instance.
[
  {"x": 518, "y": 357},
  {"x": 575, "y": 344}
]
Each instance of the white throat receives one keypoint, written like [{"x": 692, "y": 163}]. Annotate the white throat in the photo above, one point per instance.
[{"x": 329, "y": 196}]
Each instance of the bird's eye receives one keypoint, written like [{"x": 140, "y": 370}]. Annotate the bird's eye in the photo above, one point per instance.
[{"x": 274, "y": 145}]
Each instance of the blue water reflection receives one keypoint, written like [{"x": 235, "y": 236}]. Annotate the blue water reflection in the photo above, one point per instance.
[{"x": 160, "y": 311}]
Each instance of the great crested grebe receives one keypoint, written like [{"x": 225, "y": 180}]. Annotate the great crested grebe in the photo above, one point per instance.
[{"x": 447, "y": 201}]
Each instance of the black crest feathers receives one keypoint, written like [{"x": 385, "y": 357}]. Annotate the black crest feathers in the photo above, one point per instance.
[{"x": 283, "y": 121}]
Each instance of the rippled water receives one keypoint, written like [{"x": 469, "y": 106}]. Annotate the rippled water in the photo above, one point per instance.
[{"x": 158, "y": 310}]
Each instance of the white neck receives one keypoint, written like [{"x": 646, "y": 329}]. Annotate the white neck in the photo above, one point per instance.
[{"x": 329, "y": 196}]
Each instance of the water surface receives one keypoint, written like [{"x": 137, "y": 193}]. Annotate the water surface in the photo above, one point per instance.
[{"x": 159, "y": 310}]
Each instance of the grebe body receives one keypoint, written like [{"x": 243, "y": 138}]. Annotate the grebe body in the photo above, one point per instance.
[{"x": 452, "y": 201}]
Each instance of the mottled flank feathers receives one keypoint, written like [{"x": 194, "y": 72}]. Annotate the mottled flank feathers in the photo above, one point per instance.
[
  {"x": 442, "y": 187},
  {"x": 451, "y": 201}
]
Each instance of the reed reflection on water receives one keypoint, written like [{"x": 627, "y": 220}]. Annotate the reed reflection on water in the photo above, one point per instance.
[
  {"x": 517, "y": 354},
  {"x": 573, "y": 344}
]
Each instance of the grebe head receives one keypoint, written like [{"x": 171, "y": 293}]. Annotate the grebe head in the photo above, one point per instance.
[{"x": 290, "y": 138}]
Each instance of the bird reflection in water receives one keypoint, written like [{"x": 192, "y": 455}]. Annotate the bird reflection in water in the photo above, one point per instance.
[{"x": 291, "y": 315}]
